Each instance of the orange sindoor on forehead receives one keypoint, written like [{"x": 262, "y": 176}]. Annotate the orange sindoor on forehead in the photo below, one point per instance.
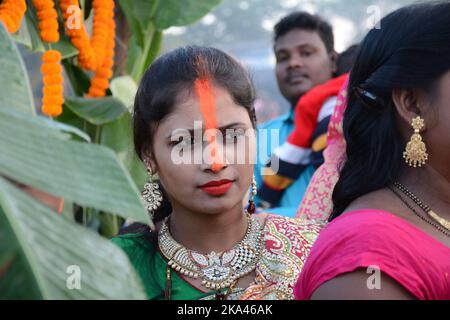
[{"x": 206, "y": 98}]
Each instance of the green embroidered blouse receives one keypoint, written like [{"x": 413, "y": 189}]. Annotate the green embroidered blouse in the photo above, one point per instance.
[
  {"x": 287, "y": 244},
  {"x": 151, "y": 267}
]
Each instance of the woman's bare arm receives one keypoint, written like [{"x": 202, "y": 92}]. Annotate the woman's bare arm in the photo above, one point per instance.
[{"x": 360, "y": 285}]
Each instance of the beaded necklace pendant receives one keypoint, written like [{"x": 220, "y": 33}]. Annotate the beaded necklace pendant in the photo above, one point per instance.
[{"x": 216, "y": 270}]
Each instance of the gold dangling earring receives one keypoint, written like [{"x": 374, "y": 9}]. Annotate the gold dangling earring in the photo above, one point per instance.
[
  {"x": 251, "y": 201},
  {"x": 151, "y": 195},
  {"x": 416, "y": 151}
]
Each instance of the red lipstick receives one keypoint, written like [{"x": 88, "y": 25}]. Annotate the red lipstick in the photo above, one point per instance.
[{"x": 217, "y": 188}]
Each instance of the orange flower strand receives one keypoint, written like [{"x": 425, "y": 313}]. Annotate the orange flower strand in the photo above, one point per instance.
[
  {"x": 51, "y": 68},
  {"x": 53, "y": 90},
  {"x": 55, "y": 79},
  {"x": 52, "y": 99},
  {"x": 48, "y": 20},
  {"x": 51, "y": 56},
  {"x": 104, "y": 73},
  {"x": 11, "y": 13},
  {"x": 52, "y": 110},
  {"x": 104, "y": 13},
  {"x": 91, "y": 51},
  {"x": 100, "y": 82},
  {"x": 47, "y": 14},
  {"x": 42, "y": 4},
  {"x": 95, "y": 93}
]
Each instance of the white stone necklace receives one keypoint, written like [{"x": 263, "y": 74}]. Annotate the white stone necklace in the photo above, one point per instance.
[{"x": 216, "y": 270}]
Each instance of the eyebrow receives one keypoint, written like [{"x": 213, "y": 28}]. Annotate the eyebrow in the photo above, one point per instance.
[
  {"x": 300, "y": 46},
  {"x": 228, "y": 126}
]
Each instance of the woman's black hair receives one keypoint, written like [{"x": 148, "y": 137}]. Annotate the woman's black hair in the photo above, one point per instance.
[
  {"x": 411, "y": 49},
  {"x": 175, "y": 72},
  {"x": 171, "y": 75},
  {"x": 346, "y": 60}
]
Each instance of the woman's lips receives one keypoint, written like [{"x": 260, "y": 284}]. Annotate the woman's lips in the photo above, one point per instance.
[{"x": 217, "y": 188}]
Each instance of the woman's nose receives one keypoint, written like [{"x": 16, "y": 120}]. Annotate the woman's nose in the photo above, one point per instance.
[
  {"x": 215, "y": 159},
  {"x": 217, "y": 166}
]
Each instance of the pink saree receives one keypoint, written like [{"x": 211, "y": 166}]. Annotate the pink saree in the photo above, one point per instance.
[{"x": 363, "y": 238}]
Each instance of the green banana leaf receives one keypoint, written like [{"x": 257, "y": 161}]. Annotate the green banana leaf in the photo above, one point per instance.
[
  {"x": 138, "y": 13},
  {"x": 45, "y": 256},
  {"x": 70, "y": 119},
  {"x": 148, "y": 18},
  {"x": 97, "y": 111},
  {"x": 15, "y": 91},
  {"x": 79, "y": 79},
  {"x": 137, "y": 63},
  {"x": 165, "y": 13},
  {"x": 124, "y": 88},
  {"x": 87, "y": 174},
  {"x": 117, "y": 135},
  {"x": 74, "y": 131},
  {"x": 155, "y": 48},
  {"x": 175, "y": 13}
]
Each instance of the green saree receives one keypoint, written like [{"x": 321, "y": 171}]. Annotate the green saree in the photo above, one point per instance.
[
  {"x": 151, "y": 267},
  {"x": 287, "y": 244}
]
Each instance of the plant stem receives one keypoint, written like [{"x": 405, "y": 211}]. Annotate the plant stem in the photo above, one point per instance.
[
  {"x": 149, "y": 33},
  {"x": 97, "y": 134},
  {"x": 149, "y": 37},
  {"x": 85, "y": 214},
  {"x": 115, "y": 224},
  {"x": 88, "y": 212}
]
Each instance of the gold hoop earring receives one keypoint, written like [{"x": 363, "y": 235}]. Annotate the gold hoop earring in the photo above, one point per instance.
[
  {"x": 251, "y": 201},
  {"x": 416, "y": 151}
]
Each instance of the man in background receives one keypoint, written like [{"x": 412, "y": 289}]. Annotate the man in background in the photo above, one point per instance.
[{"x": 305, "y": 58}]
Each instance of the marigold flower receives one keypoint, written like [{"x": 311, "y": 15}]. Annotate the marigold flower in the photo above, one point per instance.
[
  {"x": 11, "y": 13},
  {"x": 52, "y": 99},
  {"x": 48, "y": 20},
  {"x": 53, "y": 79},
  {"x": 91, "y": 50}
]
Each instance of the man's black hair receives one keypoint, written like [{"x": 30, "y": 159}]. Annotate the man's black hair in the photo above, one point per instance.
[{"x": 305, "y": 21}]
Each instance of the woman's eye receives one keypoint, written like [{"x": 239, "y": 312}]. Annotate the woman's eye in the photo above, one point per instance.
[
  {"x": 183, "y": 141},
  {"x": 233, "y": 136}
]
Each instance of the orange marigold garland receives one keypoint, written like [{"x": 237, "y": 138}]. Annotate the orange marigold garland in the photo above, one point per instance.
[
  {"x": 53, "y": 98},
  {"x": 100, "y": 81},
  {"x": 52, "y": 93},
  {"x": 103, "y": 15},
  {"x": 91, "y": 52},
  {"x": 11, "y": 13},
  {"x": 78, "y": 34},
  {"x": 96, "y": 54},
  {"x": 48, "y": 20}
]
